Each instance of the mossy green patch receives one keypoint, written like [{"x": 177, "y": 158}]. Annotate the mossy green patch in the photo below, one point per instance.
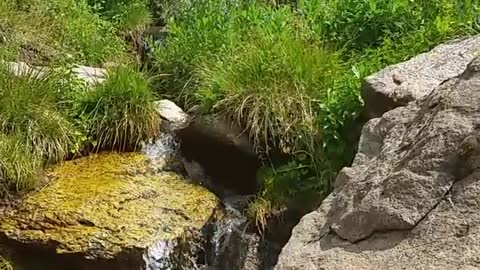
[{"x": 104, "y": 204}]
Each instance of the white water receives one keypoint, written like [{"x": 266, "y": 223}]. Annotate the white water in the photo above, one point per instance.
[
  {"x": 165, "y": 147},
  {"x": 226, "y": 243}
]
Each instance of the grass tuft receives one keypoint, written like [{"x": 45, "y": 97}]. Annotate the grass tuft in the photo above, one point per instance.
[
  {"x": 19, "y": 166},
  {"x": 5, "y": 264},
  {"x": 260, "y": 210},
  {"x": 120, "y": 112},
  {"x": 28, "y": 108},
  {"x": 274, "y": 87}
]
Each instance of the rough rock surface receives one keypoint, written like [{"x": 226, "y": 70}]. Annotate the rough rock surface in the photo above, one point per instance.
[
  {"x": 111, "y": 207},
  {"x": 411, "y": 198},
  {"x": 399, "y": 84}
]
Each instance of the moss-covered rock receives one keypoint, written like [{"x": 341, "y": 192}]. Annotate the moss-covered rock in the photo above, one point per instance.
[{"x": 109, "y": 204}]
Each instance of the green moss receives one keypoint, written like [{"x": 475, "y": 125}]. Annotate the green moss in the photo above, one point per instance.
[{"x": 110, "y": 201}]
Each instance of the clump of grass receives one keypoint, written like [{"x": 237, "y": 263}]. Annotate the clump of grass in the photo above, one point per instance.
[
  {"x": 120, "y": 112},
  {"x": 274, "y": 86},
  {"x": 261, "y": 210},
  {"x": 45, "y": 31},
  {"x": 19, "y": 166},
  {"x": 28, "y": 108}
]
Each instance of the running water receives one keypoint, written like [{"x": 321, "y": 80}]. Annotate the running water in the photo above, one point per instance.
[{"x": 224, "y": 243}]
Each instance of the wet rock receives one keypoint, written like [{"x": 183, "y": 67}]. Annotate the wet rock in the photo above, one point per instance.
[
  {"x": 232, "y": 246},
  {"x": 410, "y": 199},
  {"x": 169, "y": 111},
  {"x": 224, "y": 152},
  {"x": 399, "y": 84},
  {"x": 111, "y": 207}
]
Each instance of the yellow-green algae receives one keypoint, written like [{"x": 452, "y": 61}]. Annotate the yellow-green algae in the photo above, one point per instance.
[{"x": 102, "y": 204}]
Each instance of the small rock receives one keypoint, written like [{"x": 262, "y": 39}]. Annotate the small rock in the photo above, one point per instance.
[
  {"x": 172, "y": 113},
  {"x": 403, "y": 204}
]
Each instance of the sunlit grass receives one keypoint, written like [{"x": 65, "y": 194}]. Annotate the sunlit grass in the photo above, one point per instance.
[{"x": 120, "y": 112}]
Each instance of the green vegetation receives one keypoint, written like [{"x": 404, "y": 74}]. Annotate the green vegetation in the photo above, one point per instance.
[
  {"x": 290, "y": 73},
  {"x": 28, "y": 107},
  {"x": 49, "y": 115},
  {"x": 120, "y": 113},
  {"x": 18, "y": 165},
  {"x": 38, "y": 31}
]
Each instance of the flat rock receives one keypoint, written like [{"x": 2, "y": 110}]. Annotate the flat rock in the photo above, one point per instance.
[
  {"x": 108, "y": 206},
  {"x": 410, "y": 199},
  {"x": 399, "y": 84},
  {"x": 89, "y": 75}
]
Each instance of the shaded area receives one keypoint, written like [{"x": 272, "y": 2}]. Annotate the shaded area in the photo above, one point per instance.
[
  {"x": 224, "y": 154},
  {"x": 39, "y": 257}
]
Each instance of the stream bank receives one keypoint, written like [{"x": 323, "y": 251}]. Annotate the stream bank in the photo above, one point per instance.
[{"x": 165, "y": 207}]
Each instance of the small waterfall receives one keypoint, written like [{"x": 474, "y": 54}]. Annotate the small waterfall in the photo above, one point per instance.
[
  {"x": 225, "y": 243},
  {"x": 165, "y": 146},
  {"x": 158, "y": 256},
  {"x": 163, "y": 153}
]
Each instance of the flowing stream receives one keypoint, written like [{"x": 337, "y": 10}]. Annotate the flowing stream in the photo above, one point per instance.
[{"x": 225, "y": 243}]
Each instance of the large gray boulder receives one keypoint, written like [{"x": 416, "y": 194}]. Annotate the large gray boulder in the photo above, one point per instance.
[
  {"x": 399, "y": 84},
  {"x": 411, "y": 198}
]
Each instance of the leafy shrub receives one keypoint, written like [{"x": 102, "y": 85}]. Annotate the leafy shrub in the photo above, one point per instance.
[
  {"x": 120, "y": 112},
  {"x": 28, "y": 108},
  {"x": 357, "y": 25},
  {"x": 127, "y": 15}
]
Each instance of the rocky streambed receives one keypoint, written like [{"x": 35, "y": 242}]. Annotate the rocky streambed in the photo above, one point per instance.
[{"x": 153, "y": 209}]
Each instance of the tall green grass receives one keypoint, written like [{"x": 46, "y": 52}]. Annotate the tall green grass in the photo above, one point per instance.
[
  {"x": 120, "y": 113},
  {"x": 274, "y": 86},
  {"x": 19, "y": 165},
  {"x": 29, "y": 107}
]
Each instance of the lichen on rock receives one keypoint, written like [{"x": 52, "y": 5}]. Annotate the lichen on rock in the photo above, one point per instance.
[{"x": 109, "y": 204}]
